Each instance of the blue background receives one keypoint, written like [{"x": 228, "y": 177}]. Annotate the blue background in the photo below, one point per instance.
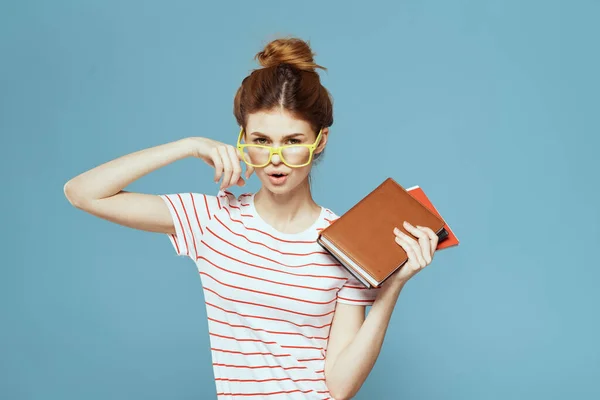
[{"x": 490, "y": 106}]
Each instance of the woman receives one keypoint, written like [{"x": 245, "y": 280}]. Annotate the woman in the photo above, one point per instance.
[{"x": 285, "y": 319}]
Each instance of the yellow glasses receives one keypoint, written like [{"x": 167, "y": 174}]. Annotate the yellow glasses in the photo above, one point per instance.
[{"x": 292, "y": 155}]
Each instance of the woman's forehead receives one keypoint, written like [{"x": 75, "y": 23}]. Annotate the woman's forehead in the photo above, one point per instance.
[{"x": 276, "y": 124}]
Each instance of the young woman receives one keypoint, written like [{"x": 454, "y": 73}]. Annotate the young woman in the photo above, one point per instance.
[{"x": 285, "y": 319}]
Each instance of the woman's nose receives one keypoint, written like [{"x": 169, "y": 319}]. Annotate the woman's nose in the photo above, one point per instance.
[{"x": 275, "y": 160}]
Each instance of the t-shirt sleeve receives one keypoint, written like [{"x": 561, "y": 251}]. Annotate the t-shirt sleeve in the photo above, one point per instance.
[
  {"x": 354, "y": 292},
  {"x": 190, "y": 213}
]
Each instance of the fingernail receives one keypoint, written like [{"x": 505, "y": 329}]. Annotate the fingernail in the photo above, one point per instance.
[{"x": 396, "y": 230}]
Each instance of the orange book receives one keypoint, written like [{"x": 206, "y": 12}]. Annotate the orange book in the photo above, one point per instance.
[{"x": 418, "y": 193}]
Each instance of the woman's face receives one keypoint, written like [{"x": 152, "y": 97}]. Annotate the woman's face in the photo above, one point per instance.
[{"x": 278, "y": 128}]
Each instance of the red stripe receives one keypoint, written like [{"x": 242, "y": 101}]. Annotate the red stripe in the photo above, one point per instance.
[
  {"x": 267, "y": 280},
  {"x": 267, "y": 331},
  {"x": 175, "y": 241},
  {"x": 270, "y": 259},
  {"x": 266, "y": 293},
  {"x": 267, "y": 318},
  {"x": 181, "y": 225},
  {"x": 303, "y": 347},
  {"x": 355, "y": 287},
  {"x": 262, "y": 244},
  {"x": 312, "y": 359},
  {"x": 267, "y": 234},
  {"x": 206, "y": 204},
  {"x": 263, "y": 393},
  {"x": 256, "y": 366},
  {"x": 189, "y": 225},
  {"x": 236, "y": 207},
  {"x": 271, "y": 380},
  {"x": 240, "y": 340},
  {"x": 262, "y": 341},
  {"x": 226, "y": 196},
  {"x": 218, "y": 202},
  {"x": 272, "y": 269},
  {"x": 271, "y": 307},
  {"x": 196, "y": 212},
  {"x": 354, "y": 300},
  {"x": 250, "y": 354}
]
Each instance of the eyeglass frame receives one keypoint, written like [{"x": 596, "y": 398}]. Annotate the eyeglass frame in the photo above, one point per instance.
[{"x": 277, "y": 150}]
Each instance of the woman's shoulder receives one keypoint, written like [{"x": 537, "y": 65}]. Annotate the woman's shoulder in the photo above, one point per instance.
[
  {"x": 226, "y": 200},
  {"x": 329, "y": 215},
  {"x": 222, "y": 200}
]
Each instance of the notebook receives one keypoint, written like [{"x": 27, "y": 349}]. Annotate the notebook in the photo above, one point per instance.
[
  {"x": 451, "y": 240},
  {"x": 362, "y": 239}
]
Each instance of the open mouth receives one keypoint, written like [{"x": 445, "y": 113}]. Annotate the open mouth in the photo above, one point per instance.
[
  {"x": 278, "y": 178},
  {"x": 278, "y": 175}
]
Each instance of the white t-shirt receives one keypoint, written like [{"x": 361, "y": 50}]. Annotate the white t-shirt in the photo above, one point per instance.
[{"x": 270, "y": 296}]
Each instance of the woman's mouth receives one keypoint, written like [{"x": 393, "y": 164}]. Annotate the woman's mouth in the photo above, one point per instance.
[{"x": 278, "y": 179}]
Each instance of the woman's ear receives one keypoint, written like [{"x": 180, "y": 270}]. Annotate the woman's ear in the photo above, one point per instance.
[{"x": 323, "y": 141}]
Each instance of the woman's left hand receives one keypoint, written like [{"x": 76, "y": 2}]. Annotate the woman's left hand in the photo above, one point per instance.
[{"x": 420, "y": 252}]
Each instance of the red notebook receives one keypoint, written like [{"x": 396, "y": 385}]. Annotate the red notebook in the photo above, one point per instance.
[{"x": 418, "y": 193}]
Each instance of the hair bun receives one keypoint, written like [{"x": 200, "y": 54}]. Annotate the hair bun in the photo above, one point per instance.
[{"x": 292, "y": 51}]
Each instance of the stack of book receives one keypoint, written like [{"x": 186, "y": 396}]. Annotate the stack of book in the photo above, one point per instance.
[{"x": 362, "y": 239}]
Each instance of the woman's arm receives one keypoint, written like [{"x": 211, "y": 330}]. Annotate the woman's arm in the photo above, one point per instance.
[
  {"x": 100, "y": 191},
  {"x": 355, "y": 342}
]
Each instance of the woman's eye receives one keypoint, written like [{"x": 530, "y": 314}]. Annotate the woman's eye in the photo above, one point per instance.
[{"x": 265, "y": 141}]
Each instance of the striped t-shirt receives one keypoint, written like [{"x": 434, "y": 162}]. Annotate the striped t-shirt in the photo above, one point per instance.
[{"x": 270, "y": 296}]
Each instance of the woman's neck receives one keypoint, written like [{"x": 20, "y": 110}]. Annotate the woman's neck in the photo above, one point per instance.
[{"x": 292, "y": 212}]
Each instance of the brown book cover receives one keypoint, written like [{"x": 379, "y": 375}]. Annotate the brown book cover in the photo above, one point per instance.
[{"x": 363, "y": 239}]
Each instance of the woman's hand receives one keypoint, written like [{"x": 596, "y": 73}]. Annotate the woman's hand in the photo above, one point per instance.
[
  {"x": 420, "y": 252},
  {"x": 224, "y": 158}
]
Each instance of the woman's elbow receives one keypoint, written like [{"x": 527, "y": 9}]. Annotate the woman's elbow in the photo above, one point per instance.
[
  {"x": 73, "y": 195},
  {"x": 339, "y": 392}
]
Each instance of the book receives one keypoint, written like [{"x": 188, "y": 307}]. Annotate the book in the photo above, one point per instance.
[
  {"x": 450, "y": 240},
  {"x": 363, "y": 241}
]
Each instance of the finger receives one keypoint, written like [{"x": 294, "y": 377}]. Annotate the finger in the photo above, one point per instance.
[
  {"x": 413, "y": 263},
  {"x": 249, "y": 170},
  {"x": 240, "y": 157},
  {"x": 237, "y": 169},
  {"x": 432, "y": 237},
  {"x": 423, "y": 239},
  {"x": 413, "y": 244},
  {"x": 227, "y": 167},
  {"x": 217, "y": 163}
]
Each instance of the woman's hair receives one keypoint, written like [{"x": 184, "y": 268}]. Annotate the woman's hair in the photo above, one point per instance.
[{"x": 288, "y": 80}]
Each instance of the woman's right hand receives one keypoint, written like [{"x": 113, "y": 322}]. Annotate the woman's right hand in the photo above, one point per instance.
[{"x": 224, "y": 158}]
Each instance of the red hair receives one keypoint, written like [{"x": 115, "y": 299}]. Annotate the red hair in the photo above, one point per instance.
[{"x": 287, "y": 80}]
